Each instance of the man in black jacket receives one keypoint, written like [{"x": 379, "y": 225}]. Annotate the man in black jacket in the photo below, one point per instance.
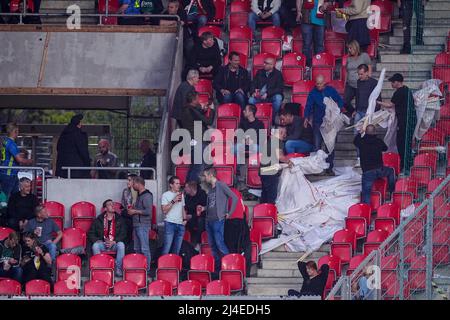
[
  {"x": 371, "y": 152},
  {"x": 148, "y": 159},
  {"x": 313, "y": 281},
  {"x": 298, "y": 138},
  {"x": 267, "y": 86},
  {"x": 108, "y": 233},
  {"x": 21, "y": 206},
  {"x": 232, "y": 82},
  {"x": 205, "y": 56},
  {"x": 73, "y": 150},
  {"x": 179, "y": 100}
]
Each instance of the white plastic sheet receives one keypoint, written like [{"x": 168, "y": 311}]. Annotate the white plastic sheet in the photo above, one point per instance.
[
  {"x": 332, "y": 123},
  {"x": 427, "y": 105}
]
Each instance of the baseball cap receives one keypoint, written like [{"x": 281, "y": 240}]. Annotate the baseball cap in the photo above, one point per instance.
[{"x": 396, "y": 77}]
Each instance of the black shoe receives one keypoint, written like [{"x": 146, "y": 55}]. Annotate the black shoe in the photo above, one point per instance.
[{"x": 405, "y": 51}]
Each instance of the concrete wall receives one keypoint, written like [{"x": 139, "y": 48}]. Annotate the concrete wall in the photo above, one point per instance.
[{"x": 70, "y": 191}]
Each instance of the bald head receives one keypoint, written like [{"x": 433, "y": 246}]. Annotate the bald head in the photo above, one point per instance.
[
  {"x": 103, "y": 146},
  {"x": 269, "y": 64},
  {"x": 370, "y": 129},
  {"x": 320, "y": 82}
]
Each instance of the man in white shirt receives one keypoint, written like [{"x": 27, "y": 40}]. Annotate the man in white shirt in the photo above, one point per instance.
[
  {"x": 172, "y": 205},
  {"x": 264, "y": 10}
]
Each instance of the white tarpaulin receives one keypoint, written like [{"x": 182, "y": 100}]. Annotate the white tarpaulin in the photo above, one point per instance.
[
  {"x": 374, "y": 96},
  {"x": 310, "y": 213},
  {"x": 333, "y": 122},
  {"x": 427, "y": 105}
]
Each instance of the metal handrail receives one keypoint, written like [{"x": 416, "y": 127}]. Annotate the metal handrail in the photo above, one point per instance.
[
  {"x": 21, "y": 168},
  {"x": 69, "y": 169}
]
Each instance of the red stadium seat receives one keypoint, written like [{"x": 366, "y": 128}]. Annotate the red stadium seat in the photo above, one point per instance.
[
  {"x": 73, "y": 237},
  {"x": 360, "y": 210},
  {"x": 421, "y": 174},
  {"x": 201, "y": 268},
  {"x": 380, "y": 185},
  {"x": 241, "y": 33},
  {"x": 391, "y": 159},
  {"x": 82, "y": 214},
  {"x": 237, "y": 19},
  {"x": 443, "y": 59},
  {"x": 433, "y": 184},
  {"x": 297, "y": 45},
  {"x": 218, "y": 288},
  {"x": 225, "y": 174},
  {"x": 334, "y": 262},
  {"x": 113, "y": 6},
  {"x": 386, "y": 10},
  {"x": 4, "y": 232},
  {"x": 10, "y": 287},
  {"x": 414, "y": 232},
  {"x": 272, "y": 41},
  {"x": 323, "y": 63},
  {"x": 182, "y": 168},
  {"x": 258, "y": 62},
  {"x": 334, "y": 44},
  {"x": 416, "y": 279},
  {"x": 441, "y": 255},
  {"x": 354, "y": 263},
  {"x": 265, "y": 219},
  {"x": 300, "y": 92},
  {"x": 374, "y": 239},
  {"x": 292, "y": 68},
  {"x": 253, "y": 179},
  {"x": 204, "y": 86},
  {"x": 189, "y": 288},
  {"x": 264, "y": 113},
  {"x": 240, "y": 6},
  {"x": 125, "y": 288},
  {"x": 37, "y": 287},
  {"x": 243, "y": 60},
  {"x": 388, "y": 216},
  {"x": 219, "y": 17},
  {"x": 135, "y": 269},
  {"x": 66, "y": 266},
  {"x": 372, "y": 49},
  {"x": 339, "y": 85},
  {"x": 101, "y": 267},
  {"x": 60, "y": 288},
  {"x": 402, "y": 199},
  {"x": 376, "y": 200},
  {"x": 233, "y": 271},
  {"x": 56, "y": 211},
  {"x": 407, "y": 185},
  {"x": 241, "y": 46},
  {"x": 358, "y": 219},
  {"x": 216, "y": 31},
  {"x": 343, "y": 245},
  {"x": 169, "y": 267},
  {"x": 256, "y": 242},
  {"x": 160, "y": 288},
  {"x": 96, "y": 288}
]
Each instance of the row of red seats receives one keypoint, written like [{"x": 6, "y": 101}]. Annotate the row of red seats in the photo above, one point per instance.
[{"x": 441, "y": 67}]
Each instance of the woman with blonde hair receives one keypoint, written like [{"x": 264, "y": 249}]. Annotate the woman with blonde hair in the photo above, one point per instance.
[{"x": 355, "y": 58}]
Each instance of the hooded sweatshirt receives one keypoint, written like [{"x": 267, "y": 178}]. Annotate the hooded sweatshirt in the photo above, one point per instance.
[{"x": 144, "y": 203}]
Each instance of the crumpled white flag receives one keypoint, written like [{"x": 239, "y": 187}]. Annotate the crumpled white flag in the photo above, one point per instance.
[
  {"x": 332, "y": 123},
  {"x": 427, "y": 103}
]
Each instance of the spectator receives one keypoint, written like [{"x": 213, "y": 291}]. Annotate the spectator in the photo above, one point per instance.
[
  {"x": 179, "y": 100},
  {"x": 264, "y": 10},
  {"x": 21, "y": 206},
  {"x": 129, "y": 197},
  {"x": 104, "y": 158},
  {"x": 172, "y": 206},
  {"x": 205, "y": 56},
  {"x": 232, "y": 82},
  {"x": 357, "y": 25},
  {"x": 403, "y": 102},
  {"x": 363, "y": 292},
  {"x": 315, "y": 111},
  {"x": 10, "y": 255},
  {"x": 174, "y": 8},
  {"x": 313, "y": 30},
  {"x": 270, "y": 181},
  {"x": 216, "y": 213},
  {"x": 268, "y": 86},
  {"x": 314, "y": 281},
  {"x": 354, "y": 60},
  {"x": 288, "y": 14},
  {"x": 249, "y": 122},
  {"x": 151, "y": 7},
  {"x": 365, "y": 86},
  {"x": 36, "y": 260},
  {"x": 148, "y": 160},
  {"x": 11, "y": 157},
  {"x": 44, "y": 228},
  {"x": 199, "y": 12},
  {"x": 408, "y": 6},
  {"x": 129, "y": 7},
  {"x": 195, "y": 201},
  {"x": 108, "y": 232},
  {"x": 72, "y": 149},
  {"x": 194, "y": 113},
  {"x": 142, "y": 219},
  {"x": 371, "y": 152},
  {"x": 298, "y": 138}
]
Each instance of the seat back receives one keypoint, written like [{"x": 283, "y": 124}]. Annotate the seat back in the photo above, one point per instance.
[
  {"x": 389, "y": 210},
  {"x": 73, "y": 237},
  {"x": 37, "y": 287},
  {"x": 202, "y": 262},
  {"x": 266, "y": 210},
  {"x": 65, "y": 264},
  {"x": 189, "y": 288},
  {"x": 4, "y": 232},
  {"x": 377, "y": 236},
  {"x": 60, "y": 288},
  {"x": 218, "y": 287},
  {"x": 10, "y": 287},
  {"x": 96, "y": 288},
  {"x": 242, "y": 33},
  {"x": 160, "y": 288},
  {"x": 135, "y": 269},
  {"x": 216, "y": 31},
  {"x": 101, "y": 267},
  {"x": 125, "y": 288},
  {"x": 391, "y": 159}
]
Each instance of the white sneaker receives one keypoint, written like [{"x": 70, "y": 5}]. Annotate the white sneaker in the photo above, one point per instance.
[{"x": 358, "y": 163}]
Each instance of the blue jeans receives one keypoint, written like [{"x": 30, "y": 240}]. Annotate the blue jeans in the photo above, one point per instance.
[
  {"x": 312, "y": 32},
  {"x": 173, "y": 237},
  {"x": 369, "y": 177},
  {"x": 298, "y": 146},
  {"x": 9, "y": 184},
  {"x": 276, "y": 101},
  {"x": 141, "y": 243},
  {"x": 13, "y": 273},
  {"x": 52, "y": 249},
  {"x": 269, "y": 188},
  {"x": 119, "y": 248},
  {"x": 318, "y": 143},
  {"x": 253, "y": 18},
  {"x": 216, "y": 240},
  {"x": 358, "y": 116},
  {"x": 236, "y": 97}
]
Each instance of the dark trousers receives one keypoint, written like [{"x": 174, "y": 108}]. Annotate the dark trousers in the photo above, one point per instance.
[
  {"x": 269, "y": 188},
  {"x": 310, "y": 33},
  {"x": 369, "y": 177},
  {"x": 349, "y": 95},
  {"x": 31, "y": 273},
  {"x": 408, "y": 7},
  {"x": 196, "y": 226}
]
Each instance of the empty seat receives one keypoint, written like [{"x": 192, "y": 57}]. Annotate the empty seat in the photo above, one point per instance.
[
  {"x": 241, "y": 33},
  {"x": 334, "y": 262},
  {"x": 218, "y": 288},
  {"x": 323, "y": 63},
  {"x": 204, "y": 86},
  {"x": 407, "y": 185},
  {"x": 374, "y": 239},
  {"x": 66, "y": 266},
  {"x": 96, "y": 288},
  {"x": 292, "y": 68},
  {"x": 237, "y": 19},
  {"x": 169, "y": 267},
  {"x": 61, "y": 288},
  {"x": 10, "y": 287},
  {"x": 241, "y": 46},
  {"x": 37, "y": 287},
  {"x": 233, "y": 271},
  {"x": 219, "y": 17},
  {"x": 240, "y": 6},
  {"x": 334, "y": 44},
  {"x": 344, "y": 242},
  {"x": 202, "y": 266},
  {"x": 135, "y": 269},
  {"x": 265, "y": 219},
  {"x": 82, "y": 214},
  {"x": 125, "y": 288},
  {"x": 72, "y": 238},
  {"x": 190, "y": 288},
  {"x": 256, "y": 242},
  {"x": 414, "y": 232},
  {"x": 216, "y": 31},
  {"x": 388, "y": 212},
  {"x": 380, "y": 185},
  {"x": 402, "y": 199},
  {"x": 101, "y": 267},
  {"x": 160, "y": 288},
  {"x": 272, "y": 41},
  {"x": 442, "y": 58},
  {"x": 56, "y": 212},
  {"x": 354, "y": 263},
  {"x": 300, "y": 92}
]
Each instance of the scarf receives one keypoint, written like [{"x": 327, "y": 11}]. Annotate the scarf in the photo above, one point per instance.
[{"x": 112, "y": 231}]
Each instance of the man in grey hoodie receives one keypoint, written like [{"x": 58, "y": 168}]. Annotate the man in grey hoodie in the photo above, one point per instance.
[
  {"x": 216, "y": 213},
  {"x": 141, "y": 214}
]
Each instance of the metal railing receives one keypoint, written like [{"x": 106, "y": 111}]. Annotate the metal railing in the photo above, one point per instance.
[
  {"x": 35, "y": 175},
  {"x": 69, "y": 169},
  {"x": 404, "y": 264}
]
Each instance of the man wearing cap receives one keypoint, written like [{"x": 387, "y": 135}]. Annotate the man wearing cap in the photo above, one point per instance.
[
  {"x": 73, "y": 150},
  {"x": 403, "y": 102}
]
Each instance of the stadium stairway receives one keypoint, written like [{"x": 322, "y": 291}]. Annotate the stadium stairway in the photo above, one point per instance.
[{"x": 60, "y": 6}]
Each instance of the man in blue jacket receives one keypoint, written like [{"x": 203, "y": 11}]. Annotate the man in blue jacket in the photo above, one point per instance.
[{"x": 315, "y": 111}]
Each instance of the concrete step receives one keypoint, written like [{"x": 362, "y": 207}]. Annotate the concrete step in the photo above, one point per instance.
[
  {"x": 344, "y": 162},
  {"x": 281, "y": 263},
  {"x": 345, "y": 146},
  {"x": 437, "y": 6},
  {"x": 410, "y": 58},
  {"x": 292, "y": 255},
  {"x": 428, "y": 31},
  {"x": 437, "y": 13},
  {"x": 272, "y": 290},
  {"x": 427, "y": 40},
  {"x": 405, "y": 67},
  {"x": 278, "y": 273},
  {"x": 295, "y": 281},
  {"x": 412, "y": 75}
]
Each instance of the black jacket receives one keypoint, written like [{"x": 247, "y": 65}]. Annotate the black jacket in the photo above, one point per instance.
[
  {"x": 191, "y": 114},
  {"x": 22, "y": 208},
  {"x": 316, "y": 285},
  {"x": 207, "y": 5},
  {"x": 204, "y": 57},
  {"x": 96, "y": 231},
  {"x": 371, "y": 150},
  {"x": 221, "y": 79},
  {"x": 274, "y": 82},
  {"x": 73, "y": 152},
  {"x": 180, "y": 99}
]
